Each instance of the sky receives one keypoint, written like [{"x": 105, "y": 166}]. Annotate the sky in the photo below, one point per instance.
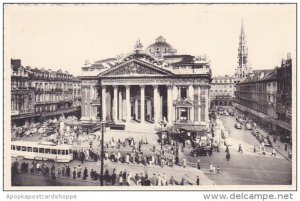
[{"x": 65, "y": 36}]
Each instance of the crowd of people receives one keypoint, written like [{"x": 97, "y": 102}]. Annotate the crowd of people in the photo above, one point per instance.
[{"x": 121, "y": 178}]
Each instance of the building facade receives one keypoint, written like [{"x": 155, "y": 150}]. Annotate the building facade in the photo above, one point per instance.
[
  {"x": 256, "y": 96},
  {"x": 284, "y": 96},
  {"x": 222, "y": 90},
  {"x": 39, "y": 94},
  {"x": 148, "y": 85},
  {"x": 266, "y": 95}
]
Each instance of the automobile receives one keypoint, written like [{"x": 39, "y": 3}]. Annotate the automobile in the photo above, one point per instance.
[
  {"x": 248, "y": 126},
  {"x": 42, "y": 130},
  {"x": 28, "y": 133},
  {"x": 34, "y": 130},
  {"x": 255, "y": 132},
  {"x": 202, "y": 151},
  {"x": 226, "y": 113},
  {"x": 284, "y": 138},
  {"x": 238, "y": 126},
  {"x": 267, "y": 142}
]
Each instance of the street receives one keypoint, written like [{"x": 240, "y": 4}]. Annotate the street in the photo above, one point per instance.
[{"x": 246, "y": 168}]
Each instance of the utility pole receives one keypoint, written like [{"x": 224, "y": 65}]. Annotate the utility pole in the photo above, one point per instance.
[{"x": 102, "y": 154}]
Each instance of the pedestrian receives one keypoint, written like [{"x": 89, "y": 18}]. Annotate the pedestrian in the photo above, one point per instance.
[
  {"x": 198, "y": 181},
  {"x": 121, "y": 178},
  {"x": 227, "y": 148},
  {"x": 290, "y": 153},
  {"x": 182, "y": 182},
  {"x": 198, "y": 164},
  {"x": 85, "y": 174},
  {"x": 285, "y": 146},
  {"x": 211, "y": 168},
  {"x": 124, "y": 177},
  {"x": 172, "y": 181},
  {"x": 63, "y": 170},
  {"x": 184, "y": 162},
  {"x": 58, "y": 172},
  {"x": 273, "y": 152},
  {"x": 113, "y": 177},
  {"x": 240, "y": 148},
  {"x": 228, "y": 156},
  {"x": 74, "y": 173}
]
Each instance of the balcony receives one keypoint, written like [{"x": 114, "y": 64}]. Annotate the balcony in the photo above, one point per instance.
[{"x": 19, "y": 112}]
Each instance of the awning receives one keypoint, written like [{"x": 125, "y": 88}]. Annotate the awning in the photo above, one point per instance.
[
  {"x": 285, "y": 125},
  {"x": 194, "y": 128},
  {"x": 267, "y": 118}
]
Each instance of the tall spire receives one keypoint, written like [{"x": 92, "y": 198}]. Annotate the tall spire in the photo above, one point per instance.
[
  {"x": 242, "y": 29},
  {"x": 243, "y": 68}
]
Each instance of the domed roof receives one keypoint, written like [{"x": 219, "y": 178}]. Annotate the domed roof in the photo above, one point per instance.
[{"x": 160, "y": 46}]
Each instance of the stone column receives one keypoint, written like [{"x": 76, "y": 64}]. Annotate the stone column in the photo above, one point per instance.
[
  {"x": 136, "y": 109},
  {"x": 120, "y": 105},
  {"x": 175, "y": 96},
  {"x": 156, "y": 103},
  {"x": 128, "y": 106},
  {"x": 206, "y": 104},
  {"x": 149, "y": 109},
  {"x": 92, "y": 92},
  {"x": 160, "y": 117},
  {"x": 178, "y": 92},
  {"x": 103, "y": 103},
  {"x": 199, "y": 104},
  {"x": 115, "y": 103},
  {"x": 170, "y": 105},
  {"x": 191, "y": 96},
  {"x": 142, "y": 87}
]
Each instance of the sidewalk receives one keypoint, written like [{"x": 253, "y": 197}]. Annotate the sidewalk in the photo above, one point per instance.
[
  {"x": 189, "y": 173},
  {"x": 278, "y": 145}
]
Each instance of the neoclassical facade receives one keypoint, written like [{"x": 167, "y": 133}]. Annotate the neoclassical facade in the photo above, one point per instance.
[{"x": 148, "y": 86}]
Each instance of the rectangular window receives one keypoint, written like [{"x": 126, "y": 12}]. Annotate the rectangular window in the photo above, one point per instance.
[
  {"x": 35, "y": 149},
  {"x": 29, "y": 149},
  {"x": 13, "y": 147},
  {"x": 53, "y": 151},
  {"x": 47, "y": 151},
  {"x": 24, "y": 148},
  {"x": 63, "y": 152},
  {"x": 67, "y": 152},
  {"x": 18, "y": 148},
  {"x": 183, "y": 92},
  {"x": 41, "y": 150},
  {"x": 58, "y": 152}
]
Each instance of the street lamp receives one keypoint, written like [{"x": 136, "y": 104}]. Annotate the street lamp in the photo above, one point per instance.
[
  {"x": 161, "y": 145},
  {"x": 161, "y": 133},
  {"x": 102, "y": 153}
]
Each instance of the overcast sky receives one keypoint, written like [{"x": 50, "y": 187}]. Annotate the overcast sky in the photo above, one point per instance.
[{"x": 64, "y": 36}]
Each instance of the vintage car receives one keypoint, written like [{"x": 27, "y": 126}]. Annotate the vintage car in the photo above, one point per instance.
[
  {"x": 238, "y": 126},
  {"x": 248, "y": 126}
]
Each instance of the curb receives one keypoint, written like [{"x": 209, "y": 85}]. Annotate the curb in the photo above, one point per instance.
[{"x": 287, "y": 158}]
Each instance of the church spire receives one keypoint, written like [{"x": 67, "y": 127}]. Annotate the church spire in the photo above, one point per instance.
[
  {"x": 242, "y": 29},
  {"x": 243, "y": 68}
]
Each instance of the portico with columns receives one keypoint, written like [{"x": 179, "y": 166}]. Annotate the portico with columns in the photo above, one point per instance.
[
  {"x": 148, "y": 87},
  {"x": 141, "y": 93}
]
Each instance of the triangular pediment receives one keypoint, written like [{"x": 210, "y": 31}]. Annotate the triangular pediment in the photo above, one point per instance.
[{"x": 135, "y": 68}]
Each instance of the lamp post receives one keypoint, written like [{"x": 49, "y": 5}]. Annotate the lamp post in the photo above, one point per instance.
[
  {"x": 102, "y": 153},
  {"x": 161, "y": 126}
]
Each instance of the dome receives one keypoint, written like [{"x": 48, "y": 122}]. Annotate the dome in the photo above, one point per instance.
[{"x": 160, "y": 46}]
